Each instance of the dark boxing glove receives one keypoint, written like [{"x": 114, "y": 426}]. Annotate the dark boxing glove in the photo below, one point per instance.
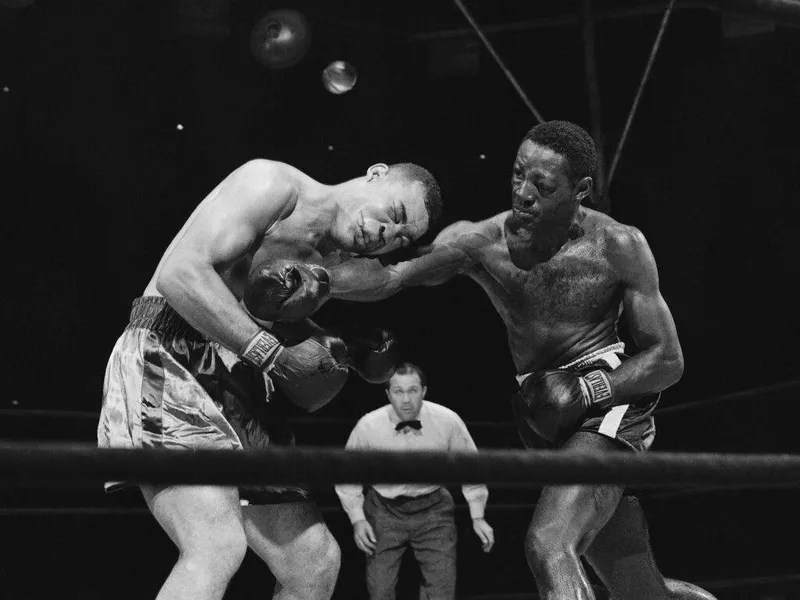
[
  {"x": 558, "y": 400},
  {"x": 373, "y": 353},
  {"x": 313, "y": 366},
  {"x": 285, "y": 289}
]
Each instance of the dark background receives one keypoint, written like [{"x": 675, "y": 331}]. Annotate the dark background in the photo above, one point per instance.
[{"x": 96, "y": 179}]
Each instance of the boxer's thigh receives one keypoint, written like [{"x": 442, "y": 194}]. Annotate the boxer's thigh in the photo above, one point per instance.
[
  {"x": 293, "y": 540},
  {"x": 571, "y": 515},
  {"x": 622, "y": 557},
  {"x": 199, "y": 519}
]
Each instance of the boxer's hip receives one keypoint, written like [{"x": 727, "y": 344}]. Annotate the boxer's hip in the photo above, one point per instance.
[
  {"x": 630, "y": 425},
  {"x": 167, "y": 386}
]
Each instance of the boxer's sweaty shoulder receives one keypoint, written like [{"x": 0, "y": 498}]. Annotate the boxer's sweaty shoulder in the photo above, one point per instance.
[
  {"x": 259, "y": 194},
  {"x": 475, "y": 239}
]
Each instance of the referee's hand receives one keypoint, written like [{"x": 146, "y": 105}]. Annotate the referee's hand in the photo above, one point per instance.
[{"x": 364, "y": 537}]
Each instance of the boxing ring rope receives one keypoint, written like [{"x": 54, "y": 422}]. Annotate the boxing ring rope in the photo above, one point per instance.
[
  {"x": 658, "y": 493},
  {"x": 698, "y": 404},
  {"x": 66, "y": 463},
  {"x": 58, "y": 463},
  {"x": 642, "y": 82},
  {"x": 322, "y": 421},
  {"x": 595, "y": 105},
  {"x": 499, "y": 61}
]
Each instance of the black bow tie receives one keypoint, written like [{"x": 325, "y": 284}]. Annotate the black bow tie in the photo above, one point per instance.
[{"x": 413, "y": 424}]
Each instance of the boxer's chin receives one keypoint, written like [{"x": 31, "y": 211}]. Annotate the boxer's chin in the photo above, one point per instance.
[
  {"x": 519, "y": 225},
  {"x": 520, "y": 251}
]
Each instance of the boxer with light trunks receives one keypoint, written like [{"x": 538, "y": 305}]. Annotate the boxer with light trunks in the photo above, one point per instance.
[
  {"x": 560, "y": 275},
  {"x": 223, "y": 319}
]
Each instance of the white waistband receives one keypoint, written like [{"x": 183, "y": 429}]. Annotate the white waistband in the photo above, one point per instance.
[{"x": 607, "y": 354}]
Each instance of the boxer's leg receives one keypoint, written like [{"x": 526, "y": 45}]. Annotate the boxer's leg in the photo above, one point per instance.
[
  {"x": 205, "y": 524},
  {"x": 622, "y": 557},
  {"x": 297, "y": 546},
  {"x": 564, "y": 522}
]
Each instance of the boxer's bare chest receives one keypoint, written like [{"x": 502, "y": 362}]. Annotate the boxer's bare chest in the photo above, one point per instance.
[{"x": 576, "y": 286}]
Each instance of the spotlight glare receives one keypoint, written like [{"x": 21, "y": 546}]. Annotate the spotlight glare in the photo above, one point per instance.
[
  {"x": 339, "y": 77},
  {"x": 482, "y": 156},
  {"x": 330, "y": 148},
  {"x": 179, "y": 127},
  {"x": 6, "y": 88}
]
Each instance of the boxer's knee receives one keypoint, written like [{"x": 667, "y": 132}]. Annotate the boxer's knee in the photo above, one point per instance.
[
  {"x": 326, "y": 566},
  {"x": 313, "y": 572},
  {"x": 549, "y": 546},
  {"x": 215, "y": 559}
]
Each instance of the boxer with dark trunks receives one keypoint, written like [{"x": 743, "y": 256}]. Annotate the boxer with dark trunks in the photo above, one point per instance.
[
  {"x": 560, "y": 275},
  {"x": 221, "y": 325}
]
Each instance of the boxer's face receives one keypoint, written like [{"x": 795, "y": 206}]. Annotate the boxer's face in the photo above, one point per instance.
[
  {"x": 384, "y": 215},
  {"x": 406, "y": 393},
  {"x": 542, "y": 191}
]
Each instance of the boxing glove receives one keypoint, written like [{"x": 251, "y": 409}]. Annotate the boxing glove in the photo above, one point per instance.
[
  {"x": 313, "y": 366},
  {"x": 286, "y": 290},
  {"x": 373, "y": 353},
  {"x": 557, "y": 401}
]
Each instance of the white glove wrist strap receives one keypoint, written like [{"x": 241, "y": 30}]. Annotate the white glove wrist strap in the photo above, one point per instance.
[{"x": 261, "y": 350}]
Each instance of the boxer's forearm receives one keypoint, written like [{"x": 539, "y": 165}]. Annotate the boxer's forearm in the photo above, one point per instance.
[
  {"x": 199, "y": 295},
  {"x": 363, "y": 280},
  {"x": 651, "y": 371}
]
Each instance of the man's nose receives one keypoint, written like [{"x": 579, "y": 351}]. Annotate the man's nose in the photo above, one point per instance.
[
  {"x": 525, "y": 196},
  {"x": 389, "y": 232}
]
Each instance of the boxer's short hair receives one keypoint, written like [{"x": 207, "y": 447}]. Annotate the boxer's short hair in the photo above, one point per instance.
[
  {"x": 433, "y": 195},
  {"x": 571, "y": 141}
]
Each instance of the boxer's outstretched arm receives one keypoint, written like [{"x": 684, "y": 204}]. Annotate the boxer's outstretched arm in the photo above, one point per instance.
[
  {"x": 246, "y": 204},
  {"x": 659, "y": 364},
  {"x": 366, "y": 279}
]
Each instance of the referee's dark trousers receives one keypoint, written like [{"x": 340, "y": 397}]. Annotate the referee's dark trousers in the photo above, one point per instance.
[{"x": 426, "y": 525}]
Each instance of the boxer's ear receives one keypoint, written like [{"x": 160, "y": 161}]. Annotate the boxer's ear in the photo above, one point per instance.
[
  {"x": 583, "y": 189},
  {"x": 377, "y": 171}
]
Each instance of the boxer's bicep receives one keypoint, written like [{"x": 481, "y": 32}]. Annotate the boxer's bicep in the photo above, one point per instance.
[
  {"x": 441, "y": 263},
  {"x": 447, "y": 256},
  {"x": 649, "y": 318},
  {"x": 221, "y": 232}
]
